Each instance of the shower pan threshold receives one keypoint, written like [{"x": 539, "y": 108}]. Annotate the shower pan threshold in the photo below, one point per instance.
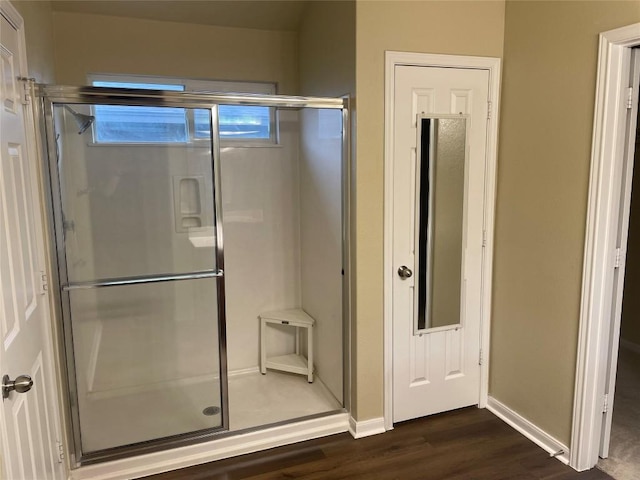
[
  {"x": 258, "y": 403},
  {"x": 224, "y": 445},
  {"x": 255, "y": 400}
]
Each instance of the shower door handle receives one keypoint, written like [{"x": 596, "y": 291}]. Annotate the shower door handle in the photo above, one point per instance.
[{"x": 115, "y": 282}]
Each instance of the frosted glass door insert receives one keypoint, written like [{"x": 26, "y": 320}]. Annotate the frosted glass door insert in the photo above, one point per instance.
[{"x": 138, "y": 267}]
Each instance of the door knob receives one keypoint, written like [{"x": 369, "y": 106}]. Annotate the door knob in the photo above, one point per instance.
[
  {"x": 21, "y": 384},
  {"x": 404, "y": 272}
]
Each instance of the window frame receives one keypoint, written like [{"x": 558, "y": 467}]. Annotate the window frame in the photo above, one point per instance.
[{"x": 198, "y": 86}]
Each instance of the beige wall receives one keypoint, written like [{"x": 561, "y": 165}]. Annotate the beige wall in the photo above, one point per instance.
[
  {"x": 101, "y": 44},
  {"x": 630, "y": 326},
  {"x": 327, "y": 68},
  {"x": 543, "y": 171},
  {"x": 39, "y": 38},
  {"x": 327, "y": 49},
  {"x": 462, "y": 28}
]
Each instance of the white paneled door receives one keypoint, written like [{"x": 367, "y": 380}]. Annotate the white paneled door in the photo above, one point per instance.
[
  {"x": 29, "y": 420},
  {"x": 437, "y": 369}
]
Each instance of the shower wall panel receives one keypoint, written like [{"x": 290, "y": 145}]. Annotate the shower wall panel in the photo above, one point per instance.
[
  {"x": 321, "y": 238},
  {"x": 261, "y": 218}
]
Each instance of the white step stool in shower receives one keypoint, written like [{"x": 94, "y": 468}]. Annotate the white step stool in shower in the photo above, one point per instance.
[{"x": 294, "y": 362}]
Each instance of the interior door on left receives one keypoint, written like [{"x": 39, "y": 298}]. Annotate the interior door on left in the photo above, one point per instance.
[{"x": 28, "y": 420}]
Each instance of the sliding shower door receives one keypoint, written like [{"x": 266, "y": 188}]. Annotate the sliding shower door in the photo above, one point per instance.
[{"x": 139, "y": 255}]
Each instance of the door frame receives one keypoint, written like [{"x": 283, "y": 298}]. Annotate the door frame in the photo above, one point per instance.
[
  {"x": 493, "y": 66},
  {"x": 608, "y": 193}
]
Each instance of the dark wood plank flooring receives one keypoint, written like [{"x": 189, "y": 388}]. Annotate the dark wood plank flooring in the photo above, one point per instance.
[{"x": 463, "y": 444}]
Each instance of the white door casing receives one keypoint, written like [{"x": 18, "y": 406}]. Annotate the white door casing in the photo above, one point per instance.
[
  {"x": 439, "y": 370},
  {"x": 405, "y": 392},
  {"x": 619, "y": 271},
  {"x": 29, "y": 425},
  {"x": 607, "y": 217}
]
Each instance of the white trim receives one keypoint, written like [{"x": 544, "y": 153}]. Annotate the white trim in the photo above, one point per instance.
[
  {"x": 10, "y": 13},
  {"x": 605, "y": 190},
  {"x": 624, "y": 210},
  {"x": 529, "y": 430},
  {"x": 366, "y": 428},
  {"x": 493, "y": 65},
  {"x": 213, "y": 450}
]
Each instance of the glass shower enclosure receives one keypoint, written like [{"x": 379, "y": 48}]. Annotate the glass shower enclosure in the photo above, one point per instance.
[{"x": 137, "y": 227}]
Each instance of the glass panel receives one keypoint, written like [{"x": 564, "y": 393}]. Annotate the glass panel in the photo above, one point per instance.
[
  {"x": 146, "y": 357},
  {"x": 282, "y": 211},
  {"x": 134, "y": 210},
  {"x": 439, "y": 220},
  {"x": 147, "y": 361},
  {"x": 239, "y": 122},
  {"x": 116, "y": 124},
  {"x": 127, "y": 124}
]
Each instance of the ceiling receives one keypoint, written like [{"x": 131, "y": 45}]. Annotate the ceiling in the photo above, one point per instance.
[{"x": 260, "y": 14}]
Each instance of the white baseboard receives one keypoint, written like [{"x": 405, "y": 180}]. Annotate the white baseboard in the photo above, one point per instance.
[
  {"x": 226, "y": 447},
  {"x": 529, "y": 430},
  {"x": 366, "y": 428},
  {"x": 634, "y": 347}
]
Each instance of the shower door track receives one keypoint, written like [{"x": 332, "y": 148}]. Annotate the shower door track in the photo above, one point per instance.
[{"x": 165, "y": 98}]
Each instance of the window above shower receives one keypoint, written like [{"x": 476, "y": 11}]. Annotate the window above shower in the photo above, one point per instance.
[{"x": 240, "y": 125}]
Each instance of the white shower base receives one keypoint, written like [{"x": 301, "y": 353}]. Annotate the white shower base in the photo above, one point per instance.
[
  {"x": 254, "y": 400},
  {"x": 257, "y": 399}
]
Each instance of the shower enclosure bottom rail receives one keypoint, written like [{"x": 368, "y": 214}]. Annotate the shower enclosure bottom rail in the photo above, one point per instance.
[{"x": 220, "y": 446}]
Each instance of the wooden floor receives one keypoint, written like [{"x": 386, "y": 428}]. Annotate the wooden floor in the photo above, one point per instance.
[{"x": 463, "y": 444}]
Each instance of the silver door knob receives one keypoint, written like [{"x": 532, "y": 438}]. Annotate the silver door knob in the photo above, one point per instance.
[
  {"x": 404, "y": 272},
  {"x": 22, "y": 384}
]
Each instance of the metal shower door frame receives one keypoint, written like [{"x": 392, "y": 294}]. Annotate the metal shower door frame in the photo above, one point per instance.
[
  {"x": 51, "y": 95},
  {"x": 63, "y": 286}
]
